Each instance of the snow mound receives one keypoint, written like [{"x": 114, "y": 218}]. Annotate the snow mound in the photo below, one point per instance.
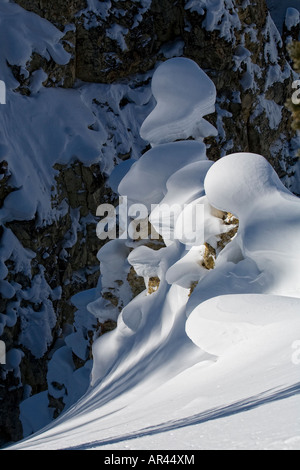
[
  {"x": 184, "y": 94},
  {"x": 239, "y": 181},
  {"x": 213, "y": 341},
  {"x": 220, "y": 323},
  {"x": 269, "y": 215},
  {"x": 146, "y": 180},
  {"x": 23, "y": 32},
  {"x": 292, "y": 18}
]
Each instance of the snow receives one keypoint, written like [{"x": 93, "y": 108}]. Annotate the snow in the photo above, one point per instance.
[
  {"x": 13, "y": 358},
  {"x": 99, "y": 8},
  {"x": 292, "y": 18},
  {"x": 194, "y": 5},
  {"x": 41, "y": 418},
  {"x": 223, "y": 323},
  {"x": 32, "y": 33},
  {"x": 46, "y": 126},
  {"x": 278, "y": 10},
  {"x": 184, "y": 94},
  {"x": 173, "y": 49},
  {"x": 55, "y": 125},
  {"x": 56, "y": 116},
  {"x": 265, "y": 234},
  {"x": 273, "y": 39},
  {"x": 210, "y": 368},
  {"x": 118, "y": 33},
  {"x": 98, "y": 11},
  {"x": 151, "y": 172},
  {"x": 220, "y": 15}
]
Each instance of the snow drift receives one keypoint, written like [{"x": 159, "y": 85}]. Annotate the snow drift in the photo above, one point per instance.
[
  {"x": 208, "y": 344},
  {"x": 184, "y": 94}
]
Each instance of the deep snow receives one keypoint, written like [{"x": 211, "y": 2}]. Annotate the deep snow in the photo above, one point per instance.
[{"x": 212, "y": 368}]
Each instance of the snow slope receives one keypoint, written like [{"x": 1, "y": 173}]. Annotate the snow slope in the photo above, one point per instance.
[
  {"x": 247, "y": 399},
  {"x": 215, "y": 366}
]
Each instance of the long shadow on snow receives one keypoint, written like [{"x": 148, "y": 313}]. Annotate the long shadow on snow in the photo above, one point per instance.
[{"x": 209, "y": 415}]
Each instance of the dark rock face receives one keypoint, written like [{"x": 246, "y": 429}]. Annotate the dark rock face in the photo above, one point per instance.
[
  {"x": 240, "y": 50},
  {"x": 74, "y": 267},
  {"x": 236, "y": 49},
  {"x": 60, "y": 12},
  {"x": 132, "y": 46}
]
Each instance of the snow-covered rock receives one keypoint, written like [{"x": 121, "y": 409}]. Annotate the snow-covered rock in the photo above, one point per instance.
[
  {"x": 247, "y": 185},
  {"x": 61, "y": 137},
  {"x": 180, "y": 358},
  {"x": 184, "y": 94}
]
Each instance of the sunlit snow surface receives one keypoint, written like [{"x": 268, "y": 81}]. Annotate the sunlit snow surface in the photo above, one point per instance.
[
  {"x": 215, "y": 369},
  {"x": 184, "y": 94}
]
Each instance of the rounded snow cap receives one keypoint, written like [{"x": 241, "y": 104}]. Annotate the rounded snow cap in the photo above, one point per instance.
[
  {"x": 237, "y": 181},
  {"x": 184, "y": 94}
]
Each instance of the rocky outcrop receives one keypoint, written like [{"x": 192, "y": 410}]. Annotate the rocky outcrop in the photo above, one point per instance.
[
  {"x": 238, "y": 46},
  {"x": 121, "y": 42},
  {"x": 65, "y": 262}
]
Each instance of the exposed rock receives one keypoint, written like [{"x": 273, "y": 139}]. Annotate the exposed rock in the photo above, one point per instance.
[
  {"x": 66, "y": 257},
  {"x": 137, "y": 283},
  {"x": 237, "y": 52},
  {"x": 60, "y": 12},
  {"x": 193, "y": 287},
  {"x": 209, "y": 257},
  {"x": 5, "y": 175},
  {"x": 153, "y": 285},
  {"x": 227, "y": 236}
]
